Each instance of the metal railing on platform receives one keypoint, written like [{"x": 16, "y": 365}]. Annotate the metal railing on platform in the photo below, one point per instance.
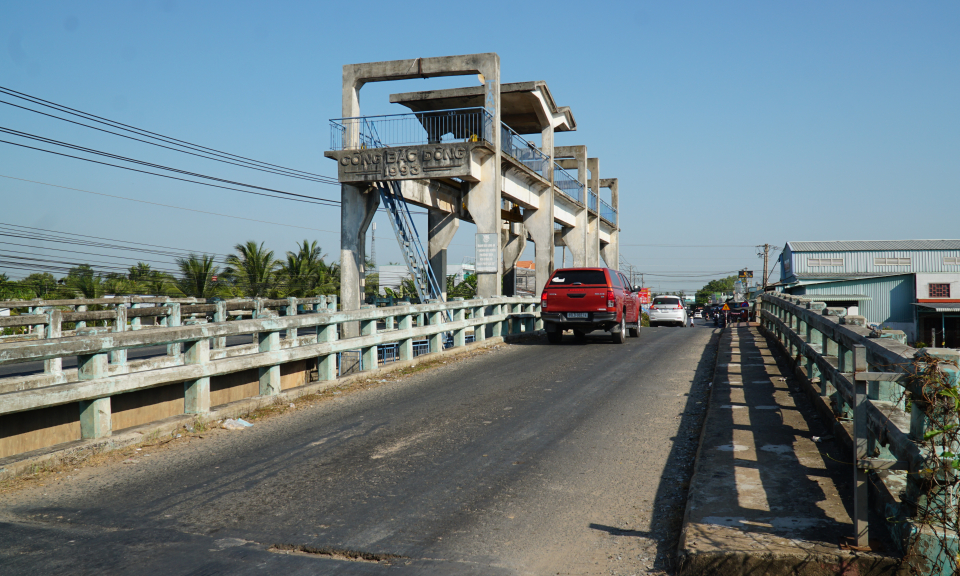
[
  {"x": 567, "y": 183},
  {"x": 411, "y": 129},
  {"x": 523, "y": 151},
  {"x": 592, "y": 201},
  {"x": 607, "y": 212}
]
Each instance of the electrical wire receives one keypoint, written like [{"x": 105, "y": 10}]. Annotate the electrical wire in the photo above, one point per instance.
[
  {"x": 169, "y": 205},
  {"x": 321, "y": 179},
  {"x": 135, "y": 130}
]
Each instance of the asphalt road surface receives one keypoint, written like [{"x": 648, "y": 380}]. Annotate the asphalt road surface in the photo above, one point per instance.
[{"x": 521, "y": 459}]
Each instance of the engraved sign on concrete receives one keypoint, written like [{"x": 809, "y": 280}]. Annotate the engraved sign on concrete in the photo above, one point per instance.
[
  {"x": 487, "y": 254},
  {"x": 404, "y": 162}
]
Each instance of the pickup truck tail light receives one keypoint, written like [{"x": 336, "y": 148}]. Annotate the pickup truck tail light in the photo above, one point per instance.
[
  {"x": 611, "y": 300},
  {"x": 543, "y": 301}
]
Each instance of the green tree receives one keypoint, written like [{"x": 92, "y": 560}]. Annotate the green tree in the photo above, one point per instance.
[
  {"x": 721, "y": 285},
  {"x": 196, "y": 275},
  {"x": 303, "y": 273},
  {"x": 466, "y": 289},
  {"x": 38, "y": 283},
  {"x": 140, "y": 272},
  {"x": 252, "y": 269}
]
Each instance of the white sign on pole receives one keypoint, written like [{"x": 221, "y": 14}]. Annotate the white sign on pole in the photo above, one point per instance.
[{"x": 487, "y": 253}]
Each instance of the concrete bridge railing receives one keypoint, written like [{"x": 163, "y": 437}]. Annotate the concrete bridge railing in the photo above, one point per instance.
[
  {"x": 871, "y": 383},
  {"x": 198, "y": 368}
]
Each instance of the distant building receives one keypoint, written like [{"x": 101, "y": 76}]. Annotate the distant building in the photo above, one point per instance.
[{"x": 909, "y": 285}]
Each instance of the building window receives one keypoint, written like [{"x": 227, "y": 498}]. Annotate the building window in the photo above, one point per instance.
[
  {"x": 891, "y": 261},
  {"x": 939, "y": 290},
  {"x": 819, "y": 262},
  {"x": 951, "y": 260}
]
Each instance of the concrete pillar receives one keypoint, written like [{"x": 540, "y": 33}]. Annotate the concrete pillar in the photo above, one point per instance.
[
  {"x": 575, "y": 237},
  {"x": 611, "y": 252},
  {"x": 327, "y": 364},
  {"x": 119, "y": 357},
  {"x": 441, "y": 227},
  {"x": 483, "y": 202},
  {"x": 358, "y": 205},
  {"x": 593, "y": 220},
  {"x": 196, "y": 393},
  {"x": 539, "y": 222},
  {"x": 95, "y": 415},
  {"x": 368, "y": 358},
  {"x": 514, "y": 241},
  {"x": 173, "y": 319},
  {"x": 269, "y": 375},
  {"x": 406, "y": 345},
  {"x": 53, "y": 330}
]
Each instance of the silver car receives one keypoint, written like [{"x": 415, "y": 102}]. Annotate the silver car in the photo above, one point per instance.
[{"x": 668, "y": 310}]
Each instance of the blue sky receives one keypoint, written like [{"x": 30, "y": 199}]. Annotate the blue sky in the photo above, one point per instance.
[{"x": 728, "y": 124}]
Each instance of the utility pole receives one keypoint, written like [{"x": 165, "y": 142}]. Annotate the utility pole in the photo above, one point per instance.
[{"x": 766, "y": 255}]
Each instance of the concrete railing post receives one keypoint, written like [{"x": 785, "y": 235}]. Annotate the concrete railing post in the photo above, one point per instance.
[
  {"x": 38, "y": 329},
  {"x": 406, "y": 344},
  {"x": 496, "y": 328},
  {"x": 460, "y": 335},
  {"x": 95, "y": 415},
  {"x": 479, "y": 330},
  {"x": 291, "y": 310},
  {"x": 135, "y": 323},
  {"x": 538, "y": 323},
  {"x": 269, "y": 375},
  {"x": 436, "y": 340},
  {"x": 516, "y": 324},
  {"x": 327, "y": 364},
  {"x": 80, "y": 323},
  {"x": 173, "y": 319},
  {"x": 54, "y": 329},
  {"x": 219, "y": 315},
  {"x": 368, "y": 354},
  {"x": 196, "y": 393},
  {"x": 119, "y": 357}
]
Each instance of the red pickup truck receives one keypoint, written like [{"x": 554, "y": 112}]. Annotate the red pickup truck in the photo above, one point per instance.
[{"x": 588, "y": 299}]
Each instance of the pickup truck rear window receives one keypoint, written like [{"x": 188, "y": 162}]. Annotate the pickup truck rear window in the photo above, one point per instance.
[{"x": 578, "y": 277}]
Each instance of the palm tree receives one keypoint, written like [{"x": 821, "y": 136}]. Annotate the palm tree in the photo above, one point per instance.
[
  {"x": 304, "y": 271},
  {"x": 86, "y": 285},
  {"x": 252, "y": 268},
  {"x": 140, "y": 272},
  {"x": 197, "y": 275}
]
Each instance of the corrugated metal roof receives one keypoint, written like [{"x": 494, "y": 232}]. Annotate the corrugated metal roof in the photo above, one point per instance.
[
  {"x": 945, "y": 307},
  {"x": 868, "y": 245}
]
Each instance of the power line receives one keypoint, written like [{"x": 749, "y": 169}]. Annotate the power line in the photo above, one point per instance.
[
  {"x": 135, "y": 130},
  {"x": 168, "y": 205},
  {"x": 321, "y": 179},
  {"x": 328, "y": 202},
  {"x": 150, "y": 164}
]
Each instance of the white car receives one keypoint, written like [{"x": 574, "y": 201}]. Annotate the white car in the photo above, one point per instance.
[
  {"x": 668, "y": 310},
  {"x": 698, "y": 314}
]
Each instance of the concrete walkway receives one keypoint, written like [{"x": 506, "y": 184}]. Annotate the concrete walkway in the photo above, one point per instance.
[{"x": 769, "y": 494}]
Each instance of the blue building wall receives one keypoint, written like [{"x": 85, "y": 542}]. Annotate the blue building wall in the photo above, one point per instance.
[{"x": 891, "y": 297}]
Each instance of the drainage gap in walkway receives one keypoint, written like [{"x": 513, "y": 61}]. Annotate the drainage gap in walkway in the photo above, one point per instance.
[{"x": 335, "y": 553}]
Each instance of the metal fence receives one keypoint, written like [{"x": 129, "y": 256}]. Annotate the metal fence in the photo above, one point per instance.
[
  {"x": 411, "y": 129},
  {"x": 607, "y": 212},
  {"x": 523, "y": 151},
  {"x": 567, "y": 183}
]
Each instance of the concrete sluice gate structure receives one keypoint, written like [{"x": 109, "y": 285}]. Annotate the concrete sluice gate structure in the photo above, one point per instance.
[{"x": 461, "y": 154}]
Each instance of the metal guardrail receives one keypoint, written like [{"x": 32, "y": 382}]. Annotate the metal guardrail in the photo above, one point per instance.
[
  {"x": 195, "y": 352},
  {"x": 864, "y": 380},
  {"x": 567, "y": 183},
  {"x": 607, "y": 212},
  {"x": 411, "y": 129},
  {"x": 523, "y": 151}
]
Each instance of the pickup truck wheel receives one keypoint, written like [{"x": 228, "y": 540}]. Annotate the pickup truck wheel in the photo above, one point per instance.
[
  {"x": 620, "y": 336},
  {"x": 554, "y": 336},
  {"x": 634, "y": 332}
]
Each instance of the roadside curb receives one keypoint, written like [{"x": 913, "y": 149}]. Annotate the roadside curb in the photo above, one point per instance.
[{"x": 79, "y": 450}]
